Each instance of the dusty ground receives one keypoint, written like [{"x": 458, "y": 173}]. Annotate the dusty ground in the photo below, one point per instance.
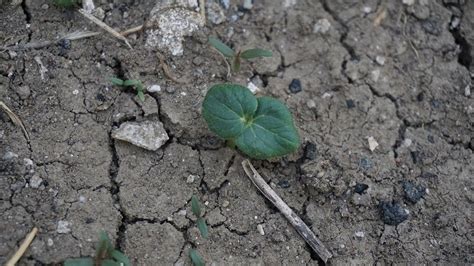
[{"x": 402, "y": 78}]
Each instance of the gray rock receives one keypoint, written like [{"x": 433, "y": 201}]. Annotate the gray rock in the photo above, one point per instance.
[
  {"x": 23, "y": 92},
  {"x": 63, "y": 227},
  {"x": 215, "y": 13},
  {"x": 149, "y": 135},
  {"x": 35, "y": 181}
]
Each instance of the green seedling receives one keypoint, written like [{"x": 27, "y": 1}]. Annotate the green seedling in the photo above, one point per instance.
[
  {"x": 202, "y": 226},
  {"x": 136, "y": 84},
  {"x": 65, "y": 3},
  {"x": 106, "y": 255},
  {"x": 236, "y": 57},
  {"x": 261, "y": 127}
]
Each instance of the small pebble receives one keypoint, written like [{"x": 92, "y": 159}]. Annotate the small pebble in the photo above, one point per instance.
[
  {"x": 154, "y": 88},
  {"x": 191, "y": 179},
  {"x": 467, "y": 91},
  {"x": 225, "y": 203},
  {"x": 170, "y": 89},
  {"x": 63, "y": 227},
  {"x": 310, "y": 151},
  {"x": 393, "y": 213},
  {"x": 366, "y": 9},
  {"x": 365, "y": 164},
  {"x": 254, "y": 89},
  {"x": 360, "y": 188},
  {"x": 50, "y": 242},
  {"x": 408, "y": 2},
  {"x": 373, "y": 144},
  {"x": 413, "y": 192},
  {"x": 248, "y": 4},
  {"x": 44, "y": 6},
  {"x": 10, "y": 155},
  {"x": 350, "y": 103},
  {"x": 23, "y": 92},
  {"x": 260, "y": 229},
  {"x": 380, "y": 60},
  {"x": 322, "y": 26},
  {"x": 284, "y": 184},
  {"x": 359, "y": 234},
  {"x": 295, "y": 86},
  {"x": 311, "y": 104},
  {"x": 35, "y": 181}
]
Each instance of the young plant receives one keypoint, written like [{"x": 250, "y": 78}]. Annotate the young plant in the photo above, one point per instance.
[
  {"x": 136, "y": 84},
  {"x": 236, "y": 57},
  {"x": 261, "y": 127},
  {"x": 105, "y": 255},
  {"x": 202, "y": 226}
]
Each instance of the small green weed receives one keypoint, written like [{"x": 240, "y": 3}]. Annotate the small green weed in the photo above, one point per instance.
[
  {"x": 202, "y": 226},
  {"x": 236, "y": 57},
  {"x": 106, "y": 255},
  {"x": 260, "y": 127},
  {"x": 136, "y": 84}
]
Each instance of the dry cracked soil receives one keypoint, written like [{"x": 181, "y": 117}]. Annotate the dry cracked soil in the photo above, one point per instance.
[{"x": 395, "y": 74}]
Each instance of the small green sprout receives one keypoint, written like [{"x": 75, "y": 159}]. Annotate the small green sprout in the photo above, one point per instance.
[
  {"x": 65, "y": 3},
  {"x": 261, "y": 127},
  {"x": 131, "y": 83},
  {"x": 202, "y": 226},
  {"x": 106, "y": 255},
  {"x": 235, "y": 57}
]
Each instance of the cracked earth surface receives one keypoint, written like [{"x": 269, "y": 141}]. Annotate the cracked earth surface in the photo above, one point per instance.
[{"x": 383, "y": 69}]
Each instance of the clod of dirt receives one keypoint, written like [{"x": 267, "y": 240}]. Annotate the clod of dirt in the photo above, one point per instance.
[
  {"x": 360, "y": 188},
  {"x": 393, "y": 213},
  {"x": 295, "y": 86},
  {"x": 413, "y": 192},
  {"x": 149, "y": 135},
  {"x": 215, "y": 13},
  {"x": 322, "y": 26},
  {"x": 149, "y": 105},
  {"x": 310, "y": 151},
  {"x": 172, "y": 25}
]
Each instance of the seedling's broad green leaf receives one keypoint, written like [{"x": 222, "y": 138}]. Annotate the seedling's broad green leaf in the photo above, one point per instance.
[
  {"x": 227, "y": 109},
  {"x": 221, "y": 47},
  {"x": 79, "y": 262},
  {"x": 202, "y": 226},
  {"x": 196, "y": 258},
  {"x": 131, "y": 82},
  {"x": 195, "y": 208},
  {"x": 121, "y": 258},
  {"x": 254, "y": 53},
  {"x": 261, "y": 128},
  {"x": 117, "y": 81}
]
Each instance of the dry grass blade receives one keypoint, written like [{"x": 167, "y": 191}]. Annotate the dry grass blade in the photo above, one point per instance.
[
  {"x": 104, "y": 26},
  {"x": 21, "y": 250},
  {"x": 38, "y": 45},
  {"x": 15, "y": 119},
  {"x": 166, "y": 69}
]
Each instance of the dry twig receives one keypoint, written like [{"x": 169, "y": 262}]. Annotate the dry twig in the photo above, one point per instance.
[
  {"x": 296, "y": 221},
  {"x": 15, "y": 119},
  {"x": 166, "y": 69},
  {"x": 21, "y": 250},
  {"x": 38, "y": 45},
  {"x": 104, "y": 26}
]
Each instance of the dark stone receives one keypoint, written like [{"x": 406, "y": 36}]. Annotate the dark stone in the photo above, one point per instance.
[
  {"x": 65, "y": 43},
  {"x": 350, "y": 103},
  {"x": 360, "y": 188},
  {"x": 420, "y": 97},
  {"x": 432, "y": 26},
  {"x": 392, "y": 213},
  {"x": 284, "y": 184},
  {"x": 415, "y": 156},
  {"x": 295, "y": 86},
  {"x": 413, "y": 193},
  {"x": 431, "y": 139},
  {"x": 365, "y": 164},
  {"x": 89, "y": 220},
  {"x": 100, "y": 97},
  {"x": 436, "y": 104},
  {"x": 310, "y": 151}
]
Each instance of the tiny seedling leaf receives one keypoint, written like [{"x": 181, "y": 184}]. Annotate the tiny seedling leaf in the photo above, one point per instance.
[
  {"x": 104, "y": 247},
  {"x": 261, "y": 127},
  {"x": 109, "y": 262},
  {"x": 140, "y": 95},
  {"x": 117, "y": 81},
  {"x": 236, "y": 64},
  {"x": 202, "y": 226},
  {"x": 196, "y": 258},
  {"x": 221, "y": 47},
  {"x": 131, "y": 82},
  {"x": 195, "y": 208},
  {"x": 121, "y": 258},
  {"x": 254, "y": 53},
  {"x": 79, "y": 262}
]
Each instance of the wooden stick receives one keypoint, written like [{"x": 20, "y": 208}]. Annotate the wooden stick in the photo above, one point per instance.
[
  {"x": 296, "y": 221},
  {"x": 104, "y": 26},
  {"x": 15, "y": 119},
  {"x": 21, "y": 250}
]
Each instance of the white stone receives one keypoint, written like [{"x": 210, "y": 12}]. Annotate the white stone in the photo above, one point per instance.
[
  {"x": 63, "y": 227},
  {"x": 311, "y": 104},
  {"x": 380, "y": 60},
  {"x": 322, "y": 26},
  {"x": 149, "y": 135},
  {"x": 366, "y": 9},
  {"x": 50, "y": 242},
  {"x": 467, "y": 91},
  {"x": 407, "y": 142},
  {"x": 9, "y": 155},
  {"x": 248, "y": 4},
  {"x": 35, "y": 181},
  {"x": 326, "y": 95},
  {"x": 375, "y": 75},
  {"x": 28, "y": 162},
  {"x": 154, "y": 88},
  {"x": 360, "y": 234},
  {"x": 75, "y": 92},
  {"x": 260, "y": 229},
  {"x": 254, "y": 89},
  {"x": 191, "y": 178},
  {"x": 408, "y": 2},
  {"x": 289, "y": 3},
  {"x": 82, "y": 199},
  {"x": 373, "y": 144}
]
